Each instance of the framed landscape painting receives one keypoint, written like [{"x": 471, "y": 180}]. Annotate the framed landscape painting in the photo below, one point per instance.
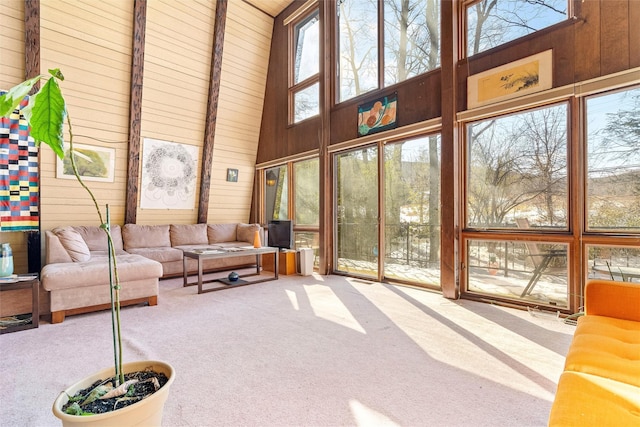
[
  {"x": 93, "y": 163},
  {"x": 528, "y": 75}
]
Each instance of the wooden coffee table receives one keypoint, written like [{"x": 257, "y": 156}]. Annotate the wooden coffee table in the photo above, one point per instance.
[{"x": 215, "y": 253}]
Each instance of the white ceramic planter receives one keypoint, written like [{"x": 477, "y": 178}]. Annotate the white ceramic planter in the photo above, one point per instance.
[{"x": 147, "y": 412}]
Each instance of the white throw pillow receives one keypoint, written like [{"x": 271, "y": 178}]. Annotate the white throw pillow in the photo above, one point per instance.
[{"x": 73, "y": 243}]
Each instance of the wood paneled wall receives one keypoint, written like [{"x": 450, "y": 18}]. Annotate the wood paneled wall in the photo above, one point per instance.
[{"x": 600, "y": 40}]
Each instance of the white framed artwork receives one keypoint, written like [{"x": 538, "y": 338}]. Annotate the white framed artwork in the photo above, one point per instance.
[{"x": 169, "y": 175}]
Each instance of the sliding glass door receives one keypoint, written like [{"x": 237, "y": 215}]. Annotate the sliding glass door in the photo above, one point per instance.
[
  {"x": 357, "y": 216},
  {"x": 412, "y": 210},
  {"x": 388, "y": 211}
]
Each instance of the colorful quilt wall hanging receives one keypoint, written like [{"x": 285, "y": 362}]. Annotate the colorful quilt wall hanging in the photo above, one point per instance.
[{"x": 19, "y": 191}]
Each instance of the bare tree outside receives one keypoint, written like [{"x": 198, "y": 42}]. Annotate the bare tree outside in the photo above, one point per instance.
[
  {"x": 411, "y": 38},
  {"x": 358, "y": 47},
  {"x": 491, "y": 23},
  {"x": 518, "y": 168},
  {"x": 613, "y": 161}
]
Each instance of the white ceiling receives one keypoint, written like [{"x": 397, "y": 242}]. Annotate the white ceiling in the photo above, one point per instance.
[{"x": 272, "y": 7}]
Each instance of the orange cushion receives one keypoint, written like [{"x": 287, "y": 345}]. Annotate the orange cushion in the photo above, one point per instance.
[
  {"x": 606, "y": 347},
  {"x": 587, "y": 400},
  {"x": 613, "y": 299}
]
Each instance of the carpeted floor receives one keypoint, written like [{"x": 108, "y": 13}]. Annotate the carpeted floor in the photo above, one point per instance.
[{"x": 306, "y": 351}]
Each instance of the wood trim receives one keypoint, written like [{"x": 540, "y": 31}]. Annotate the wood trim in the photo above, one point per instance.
[
  {"x": 407, "y": 131},
  {"x": 325, "y": 226},
  {"x": 135, "y": 110},
  {"x": 299, "y": 12},
  {"x": 212, "y": 110},
  {"x": 32, "y": 40},
  {"x": 294, "y": 158},
  {"x": 449, "y": 161}
]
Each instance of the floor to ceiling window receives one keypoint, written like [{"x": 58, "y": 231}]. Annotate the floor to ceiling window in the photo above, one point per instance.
[
  {"x": 613, "y": 185},
  {"x": 356, "y": 242},
  {"x": 517, "y": 183},
  {"x": 388, "y": 211},
  {"x": 412, "y": 210},
  {"x": 302, "y": 203}
]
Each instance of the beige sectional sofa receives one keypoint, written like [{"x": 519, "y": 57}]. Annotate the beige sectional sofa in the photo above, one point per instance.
[{"x": 76, "y": 273}]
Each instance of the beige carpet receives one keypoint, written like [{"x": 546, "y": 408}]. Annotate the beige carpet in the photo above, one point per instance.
[{"x": 306, "y": 351}]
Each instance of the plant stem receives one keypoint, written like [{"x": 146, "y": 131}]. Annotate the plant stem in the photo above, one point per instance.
[{"x": 113, "y": 266}]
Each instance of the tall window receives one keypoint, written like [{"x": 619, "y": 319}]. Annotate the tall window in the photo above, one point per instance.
[
  {"x": 517, "y": 168},
  {"x": 517, "y": 183},
  {"x": 304, "y": 86},
  {"x": 613, "y": 162},
  {"x": 306, "y": 204},
  {"x": 491, "y": 23},
  {"x": 411, "y": 30},
  {"x": 276, "y": 195}
]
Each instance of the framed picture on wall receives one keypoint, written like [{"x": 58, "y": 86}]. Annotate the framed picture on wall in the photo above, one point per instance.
[
  {"x": 94, "y": 163},
  {"x": 378, "y": 115},
  {"x": 232, "y": 175},
  {"x": 524, "y": 76},
  {"x": 169, "y": 175}
]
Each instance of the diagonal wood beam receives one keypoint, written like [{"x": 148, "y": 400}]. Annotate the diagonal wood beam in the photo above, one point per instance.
[
  {"x": 135, "y": 110},
  {"x": 32, "y": 40},
  {"x": 212, "y": 110}
]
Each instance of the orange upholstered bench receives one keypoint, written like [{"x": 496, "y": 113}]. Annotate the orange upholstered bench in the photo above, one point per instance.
[{"x": 600, "y": 385}]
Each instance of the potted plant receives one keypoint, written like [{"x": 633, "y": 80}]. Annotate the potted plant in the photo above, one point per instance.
[{"x": 136, "y": 391}]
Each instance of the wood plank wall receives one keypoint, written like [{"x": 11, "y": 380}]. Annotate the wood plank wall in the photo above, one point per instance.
[
  {"x": 91, "y": 41},
  {"x": 244, "y": 64}
]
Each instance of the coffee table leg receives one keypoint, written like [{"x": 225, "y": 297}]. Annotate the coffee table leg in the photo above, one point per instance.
[
  {"x": 199, "y": 275},
  {"x": 184, "y": 270}
]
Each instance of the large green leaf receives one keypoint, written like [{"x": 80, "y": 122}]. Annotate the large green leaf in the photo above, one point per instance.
[
  {"x": 48, "y": 115},
  {"x": 9, "y": 101}
]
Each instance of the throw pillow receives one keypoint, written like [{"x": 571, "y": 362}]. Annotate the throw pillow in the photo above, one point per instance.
[
  {"x": 73, "y": 243},
  {"x": 246, "y": 232}
]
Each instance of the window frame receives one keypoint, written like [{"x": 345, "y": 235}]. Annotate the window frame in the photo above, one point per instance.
[
  {"x": 464, "y": 25},
  {"x": 292, "y": 87},
  {"x": 381, "y": 59}
]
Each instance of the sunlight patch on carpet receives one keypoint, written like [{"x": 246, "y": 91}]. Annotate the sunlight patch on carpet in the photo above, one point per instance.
[
  {"x": 365, "y": 416},
  {"x": 294, "y": 299},
  {"x": 326, "y": 305}
]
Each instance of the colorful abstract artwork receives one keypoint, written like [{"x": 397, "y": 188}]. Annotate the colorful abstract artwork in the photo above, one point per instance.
[
  {"x": 19, "y": 191},
  {"x": 169, "y": 172},
  {"x": 378, "y": 115},
  {"x": 518, "y": 78}
]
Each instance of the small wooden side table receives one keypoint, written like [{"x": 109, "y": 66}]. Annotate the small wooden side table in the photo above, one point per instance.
[
  {"x": 286, "y": 262},
  {"x": 34, "y": 284}
]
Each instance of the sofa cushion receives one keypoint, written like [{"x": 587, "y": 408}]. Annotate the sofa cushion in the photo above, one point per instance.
[
  {"x": 96, "y": 272},
  {"x": 73, "y": 243},
  {"x": 607, "y": 347},
  {"x": 188, "y": 234},
  {"x": 246, "y": 232},
  {"x": 145, "y": 236},
  {"x": 590, "y": 400},
  {"x": 162, "y": 254},
  {"x": 96, "y": 238},
  {"x": 219, "y": 233}
]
